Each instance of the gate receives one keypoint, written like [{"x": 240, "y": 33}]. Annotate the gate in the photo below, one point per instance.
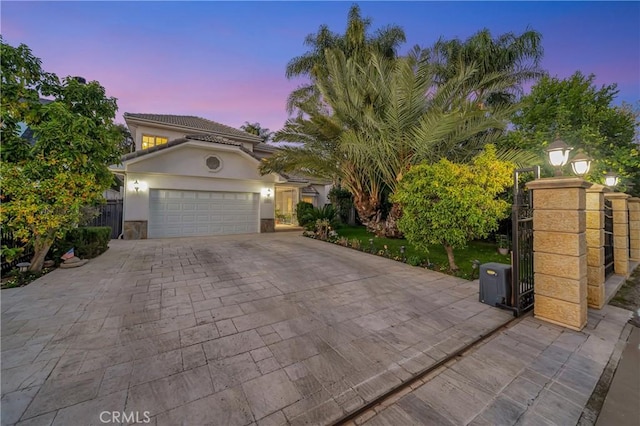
[
  {"x": 110, "y": 215},
  {"x": 522, "y": 240},
  {"x": 608, "y": 239}
]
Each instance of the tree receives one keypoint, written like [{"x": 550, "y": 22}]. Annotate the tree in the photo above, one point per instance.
[
  {"x": 584, "y": 116},
  {"x": 376, "y": 119},
  {"x": 127, "y": 144},
  {"x": 44, "y": 185},
  {"x": 515, "y": 58},
  {"x": 256, "y": 129},
  {"x": 450, "y": 203},
  {"x": 355, "y": 43}
]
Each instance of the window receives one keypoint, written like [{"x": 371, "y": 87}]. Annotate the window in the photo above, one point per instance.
[
  {"x": 214, "y": 163},
  {"x": 149, "y": 140},
  {"x": 309, "y": 200}
]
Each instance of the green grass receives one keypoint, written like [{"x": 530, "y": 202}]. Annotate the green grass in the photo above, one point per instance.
[{"x": 481, "y": 250}]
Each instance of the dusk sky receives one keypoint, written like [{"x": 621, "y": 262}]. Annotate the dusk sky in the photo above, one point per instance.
[{"x": 226, "y": 61}]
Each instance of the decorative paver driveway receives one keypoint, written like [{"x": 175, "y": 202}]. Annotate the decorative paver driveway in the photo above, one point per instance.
[{"x": 266, "y": 329}]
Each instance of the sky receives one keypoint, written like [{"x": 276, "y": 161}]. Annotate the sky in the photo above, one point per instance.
[{"x": 226, "y": 61}]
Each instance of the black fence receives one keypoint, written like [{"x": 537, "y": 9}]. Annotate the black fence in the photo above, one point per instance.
[
  {"x": 609, "y": 265},
  {"x": 111, "y": 216},
  {"x": 10, "y": 242},
  {"x": 522, "y": 241}
]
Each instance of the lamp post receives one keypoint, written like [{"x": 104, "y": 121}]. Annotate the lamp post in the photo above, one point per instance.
[
  {"x": 580, "y": 164},
  {"x": 611, "y": 179},
  {"x": 558, "y": 153}
]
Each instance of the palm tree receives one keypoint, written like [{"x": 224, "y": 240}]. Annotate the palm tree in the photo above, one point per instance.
[
  {"x": 256, "y": 129},
  {"x": 515, "y": 57},
  {"x": 355, "y": 43},
  {"x": 380, "y": 116}
]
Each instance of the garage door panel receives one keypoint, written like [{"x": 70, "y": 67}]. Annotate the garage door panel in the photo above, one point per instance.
[{"x": 194, "y": 213}]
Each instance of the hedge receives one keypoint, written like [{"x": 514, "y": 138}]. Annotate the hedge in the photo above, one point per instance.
[{"x": 88, "y": 242}]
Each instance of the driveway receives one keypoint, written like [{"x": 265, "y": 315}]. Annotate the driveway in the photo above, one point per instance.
[{"x": 266, "y": 329}]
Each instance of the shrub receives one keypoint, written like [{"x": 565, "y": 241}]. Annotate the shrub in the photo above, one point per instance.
[
  {"x": 343, "y": 200},
  {"x": 304, "y": 213},
  {"x": 355, "y": 244},
  {"x": 328, "y": 213},
  {"x": 88, "y": 242}
]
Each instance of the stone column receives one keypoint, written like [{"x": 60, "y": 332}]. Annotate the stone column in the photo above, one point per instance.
[
  {"x": 620, "y": 231},
  {"x": 560, "y": 250},
  {"x": 595, "y": 245},
  {"x": 634, "y": 229}
]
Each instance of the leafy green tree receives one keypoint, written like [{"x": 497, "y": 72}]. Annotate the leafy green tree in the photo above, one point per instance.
[
  {"x": 256, "y": 129},
  {"x": 584, "y": 116},
  {"x": 127, "y": 144},
  {"x": 46, "y": 184},
  {"x": 450, "y": 203},
  {"x": 355, "y": 43}
]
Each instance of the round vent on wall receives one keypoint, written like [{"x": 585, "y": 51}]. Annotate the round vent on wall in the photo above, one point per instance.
[{"x": 214, "y": 163}]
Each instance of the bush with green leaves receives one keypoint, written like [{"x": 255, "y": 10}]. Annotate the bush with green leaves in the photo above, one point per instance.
[
  {"x": 88, "y": 242},
  {"x": 449, "y": 204},
  {"x": 304, "y": 213},
  {"x": 328, "y": 213},
  {"x": 343, "y": 200}
]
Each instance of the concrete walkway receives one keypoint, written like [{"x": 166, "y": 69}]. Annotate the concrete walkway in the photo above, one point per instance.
[
  {"x": 266, "y": 329},
  {"x": 530, "y": 373},
  {"x": 622, "y": 405}
]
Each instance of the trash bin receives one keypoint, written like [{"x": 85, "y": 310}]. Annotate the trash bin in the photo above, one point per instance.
[{"x": 495, "y": 284}]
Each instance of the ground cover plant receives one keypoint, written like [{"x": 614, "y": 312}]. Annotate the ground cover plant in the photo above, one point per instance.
[{"x": 359, "y": 238}]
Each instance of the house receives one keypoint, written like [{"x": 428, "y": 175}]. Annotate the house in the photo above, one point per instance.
[{"x": 190, "y": 176}]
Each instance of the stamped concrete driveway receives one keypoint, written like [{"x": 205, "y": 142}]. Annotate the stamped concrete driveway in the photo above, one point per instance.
[{"x": 266, "y": 329}]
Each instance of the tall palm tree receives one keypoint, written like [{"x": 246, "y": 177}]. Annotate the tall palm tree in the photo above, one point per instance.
[
  {"x": 355, "y": 43},
  {"x": 516, "y": 57},
  {"x": 380, "y": 116},
  {"x": 256, "y": 129}
]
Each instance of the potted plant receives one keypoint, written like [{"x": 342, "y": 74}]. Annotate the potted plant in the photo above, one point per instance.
[{"x": 503, "y": 244}]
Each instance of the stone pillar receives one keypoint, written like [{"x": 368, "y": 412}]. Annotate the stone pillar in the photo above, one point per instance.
[
  {"x": 560, "y": 250},
  {"x": 634, "y": 229},
  {"x": 620, "y": 231},
  {"x": 595, "y": 245}
]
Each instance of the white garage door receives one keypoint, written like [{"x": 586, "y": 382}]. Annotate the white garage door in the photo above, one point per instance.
[{"x": 197, "y": 213}]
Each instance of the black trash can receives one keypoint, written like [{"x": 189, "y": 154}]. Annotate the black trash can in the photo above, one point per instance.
[{"x": 495, "y": 284}]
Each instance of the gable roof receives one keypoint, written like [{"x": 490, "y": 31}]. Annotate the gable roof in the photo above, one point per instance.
[
  {"x": 193, "y": 122},
  {"x": 196, "y": 137}
]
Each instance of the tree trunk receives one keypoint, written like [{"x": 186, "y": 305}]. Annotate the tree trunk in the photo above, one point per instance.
[
  {"x": 452, "y": 261},
  {"x": 41, "y": 248},
  {"x": 390, "y": 225}
]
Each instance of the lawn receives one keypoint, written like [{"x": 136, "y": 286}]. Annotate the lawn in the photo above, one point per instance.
[{"x": 483, "y": 251}]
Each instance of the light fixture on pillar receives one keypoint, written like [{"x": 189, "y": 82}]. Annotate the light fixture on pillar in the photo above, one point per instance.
[
  {"x": 611, "y": 179},
  {"x": 558, "y": 152},
  {"x": 580, "y": 164}
]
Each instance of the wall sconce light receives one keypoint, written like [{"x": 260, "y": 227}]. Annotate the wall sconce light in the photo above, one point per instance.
[
  {"x": 611, "y": 179},
  {"x": 136, "y": 185},
  {"x": 558, "y": 153},
  {"x": 581, "y": 164},
  {"x": 267, "y": 193}
]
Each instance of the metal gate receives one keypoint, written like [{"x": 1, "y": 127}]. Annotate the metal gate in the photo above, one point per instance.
[
  {"x": 110, "y": 215},
  {"x": 608, "y": 239},
  {"x": 522, "y": 240}
]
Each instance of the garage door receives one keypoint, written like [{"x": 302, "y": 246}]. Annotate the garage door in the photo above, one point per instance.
[{"x": 197, "y": 213}]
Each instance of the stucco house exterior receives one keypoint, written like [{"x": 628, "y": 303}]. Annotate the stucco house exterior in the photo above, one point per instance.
[{"x": 190, "y": 176}]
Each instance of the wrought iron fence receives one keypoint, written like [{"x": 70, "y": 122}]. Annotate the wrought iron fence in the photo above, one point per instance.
[
  {"x": 609, "y": 265},
  {"x": 522, "y": 241}
]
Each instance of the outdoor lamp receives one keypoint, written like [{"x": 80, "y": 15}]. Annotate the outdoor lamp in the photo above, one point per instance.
[
  {"x": 581, "y": 164},
  {"x": 558, "y": 153},
  {"x": 23, "y": 266},
  {"x": 136, "y": 185},
  {"x": 611, "y": 179}
]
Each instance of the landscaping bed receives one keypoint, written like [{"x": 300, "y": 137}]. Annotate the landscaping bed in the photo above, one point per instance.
[{"x": 358, "y": 238}]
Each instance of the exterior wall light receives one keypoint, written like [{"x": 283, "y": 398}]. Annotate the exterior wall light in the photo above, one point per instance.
[
  {"x": 558, "y": 153},
  {"x": 137, "y": 186},
  {"x": 267, "y": 193},
  {"x": 581, "y": 164},
  {"x": 611, "y": 179}
]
